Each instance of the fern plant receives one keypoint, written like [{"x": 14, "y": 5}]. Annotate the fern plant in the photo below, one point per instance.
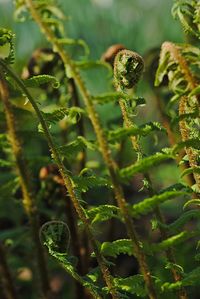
[{"x": 76, "y": 245}]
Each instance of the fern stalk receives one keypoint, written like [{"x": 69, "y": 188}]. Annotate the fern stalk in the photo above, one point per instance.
[
  {"x": 106, "y": 153},
  {"x": 67, "y": 182},
  {"x": 122, "y": 65},
  {"x": 192, "y": 84},
  {"x": 185, "y": 134},
  {"x": 23, "y": 173},
  {"x": 6, "y": 277}
]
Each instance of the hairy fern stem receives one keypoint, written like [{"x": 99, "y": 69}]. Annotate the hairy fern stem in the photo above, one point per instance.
[
  {"x": 192, "y": 84},
  {"x": 185, "y": 134},
  {"x": 120, "y": 71},
  {"x": 106, "y": 153}
]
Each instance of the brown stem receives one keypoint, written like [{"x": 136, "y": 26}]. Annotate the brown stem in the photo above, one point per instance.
[
  {"x": 6, "y": 277},
  {"x": 23, "y": 173}
]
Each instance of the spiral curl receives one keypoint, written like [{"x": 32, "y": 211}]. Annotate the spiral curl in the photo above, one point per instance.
[{"x": 128, "y": 69}]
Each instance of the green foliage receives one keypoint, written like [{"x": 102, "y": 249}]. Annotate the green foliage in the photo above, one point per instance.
[
  {"x": 144, "y": 164},
  {"x": 73, "y": 148},
  {"x": 91, "y": 181},
  {"x": 36, "y": 81},
  {"x": 147, "y": 205},
  {"x": 133, "y": 285},
  {"x": 117, "y": 247},
  {"x": 103, "y": 213},
  {"x": 188, "y": 13},
  {"x": 143, "y": 130}
]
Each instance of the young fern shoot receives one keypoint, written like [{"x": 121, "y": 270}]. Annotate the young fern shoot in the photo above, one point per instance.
[{"x": 128, "y": 69}]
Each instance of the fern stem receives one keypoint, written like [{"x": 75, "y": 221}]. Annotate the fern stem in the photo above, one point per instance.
[
  {"x": 192, "y": 83},
  {"x": 106, "y": 153},
  {"x": 185, "y": 134},
  {"x": 6, "y": 277},
  {"x": 176, "y": 56},
  {"x": 67, "y": 182},
  {"x": 136, "y": 146},
  {"x": 23, "y": 173}
]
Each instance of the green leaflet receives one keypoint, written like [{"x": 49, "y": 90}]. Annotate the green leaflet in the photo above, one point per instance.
[
  {"x": 187, "y": 12},
  {"x": 195, "y": 91},
  {"x": 73, "y": 114},
  {"x": 147, "y": 205},
  {"x": 162, "y": 69},
  {"x": 86, "y": 183},
  {"x": 103, "y": 213},
  {"x": 191, "y": 170},
  {"x": 190, "y": 279},
  {"x": 125, "y": 246},
  {"x": 73, "y": 148},
  {"x": 142, "y": 130},
  {"x": 5, "y": 163},
  {"x": 193, "y": 142},
  {"x": 184, "y": 218},
  {"x": 115, "y": 248},
  {"x": 144, "y": 165},
  {"x": 192, "y": 201},
  {"x": 132, "y": 285},
  {"x": 39, "y": 80},
  {"x": 116, "y": 96},
  {"x": 172, "y": 241}
]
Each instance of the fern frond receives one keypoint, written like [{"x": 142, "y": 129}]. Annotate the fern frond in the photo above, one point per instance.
[
  {"x": 144, "y": 164},
  {"x": 73, "y": 148},
  {"x": 133, "y": 285},
  {"x": 191, "y": 170},
  {"x": 187, "y": 12},
  {"x": 183, "y": 219},
  {"x": 115, "y": 248},
  {"x": 103, "y": 213},
  {"x": 142, "y": 130},
  {"x": 73, "y": 114},
  {"x": 87, "y": 180},
  {"x": 37, "y": 81},
  {"x": 190, "y": 279},
  {"x": 147, "y": 205}
]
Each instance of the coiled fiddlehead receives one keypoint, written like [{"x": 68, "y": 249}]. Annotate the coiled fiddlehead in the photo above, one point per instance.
[{"x": 128, "y": 68}]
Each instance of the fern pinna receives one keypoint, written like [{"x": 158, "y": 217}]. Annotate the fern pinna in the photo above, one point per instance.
[{"x": 160, "y": 271}]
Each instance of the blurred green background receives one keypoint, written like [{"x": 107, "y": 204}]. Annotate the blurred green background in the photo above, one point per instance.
[{"x": 138, "y": 24}]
